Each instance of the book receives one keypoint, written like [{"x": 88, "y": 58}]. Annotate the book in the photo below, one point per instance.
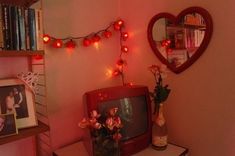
[
  {"x": 1, "y": 28},
  {"x": 32, "y": 29},
  {"x": 6, "y": 27},
  {"x": 39, "y": 29},
  {"x": 26, "y": 21},
  {"x": 21, "y": 23},
  {"x": 14, "y": 28}
]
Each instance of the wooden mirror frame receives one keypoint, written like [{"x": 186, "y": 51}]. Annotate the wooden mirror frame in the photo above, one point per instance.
[{"x": 176, "y": 19}]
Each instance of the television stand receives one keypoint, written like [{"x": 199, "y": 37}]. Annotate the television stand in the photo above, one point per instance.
[{"x": 79, "y": 149}]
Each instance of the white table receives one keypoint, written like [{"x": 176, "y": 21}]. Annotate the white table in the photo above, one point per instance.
[{"x": 78, "y": 149}]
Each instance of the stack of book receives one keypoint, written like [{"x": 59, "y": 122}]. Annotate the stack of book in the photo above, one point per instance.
[{"x": 20, "y": 28}]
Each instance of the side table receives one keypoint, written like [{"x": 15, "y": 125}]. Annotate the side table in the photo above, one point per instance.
[{"x": 79, "y": 149}]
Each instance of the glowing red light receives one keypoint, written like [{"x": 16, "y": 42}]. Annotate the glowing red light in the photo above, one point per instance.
[
  {"x": 129, "y": 84},
  {"x": 95, "y": 38},
  {"x": 107, "y": 33},
  {"x": 58, "y": 43},
  {"x": 70, "y": 44},
  {"x": 120, "y": 63},
  {"x": 86, "y": 42},
  {"x": 46, "y": 38},
  {"x": 116, "y": 26},
  {"x": 37, "y": 57},
  {"x": 116, "y": 72},
  {"x": 120, "y": 22},
  {"x": 124, "y": 49},
  {"x": 125, "y": 36}
]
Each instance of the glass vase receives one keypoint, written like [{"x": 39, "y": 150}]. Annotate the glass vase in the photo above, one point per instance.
[
  {"x": 159, "y": 130},
  {"x": 105, "y": 146}
]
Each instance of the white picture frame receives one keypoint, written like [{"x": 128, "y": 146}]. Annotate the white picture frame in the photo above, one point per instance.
[{"x": 17, "y": 98}]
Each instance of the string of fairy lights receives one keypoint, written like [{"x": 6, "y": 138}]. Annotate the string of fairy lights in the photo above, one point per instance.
[{"x": 94, "y": 38}]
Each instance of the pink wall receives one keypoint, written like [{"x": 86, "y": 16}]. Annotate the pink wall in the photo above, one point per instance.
[
  {"x": 70, "y": 75},
  {"x": 200, "y": 109},
  {"x": 199, "y": 114}
]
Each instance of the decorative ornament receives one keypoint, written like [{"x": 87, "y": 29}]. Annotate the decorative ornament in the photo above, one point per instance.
[
  {"x": 86, "y": 42},
  {"x": 70, "y": 44},
  {"x": 125, "y": 36},
  {"x": 58, "y": 43},
  {"x": 46, "y": 38},
  {"x": 107, "y": 34},
  {"x": 124, "y": 49},
  {"x": 94, "y": 38},
  {"x": 30, "y": 79}
]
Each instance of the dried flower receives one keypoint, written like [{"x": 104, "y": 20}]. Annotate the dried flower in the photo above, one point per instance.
[
  {"x": 110, "y": 127},
  {"x": 95, "y": 114},
  {"x": 161, "y": 92}
]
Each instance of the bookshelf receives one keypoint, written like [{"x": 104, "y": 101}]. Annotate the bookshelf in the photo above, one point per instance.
[
  {"x": 25, "y": 3},
  {"x": 33, "y": 64},
  {"x": 185, "y": 35},
  {"x": 14, "y": 53},
  {"x": 27, "y": 132}
]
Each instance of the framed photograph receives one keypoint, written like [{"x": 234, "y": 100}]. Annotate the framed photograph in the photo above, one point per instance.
[
  {"x": 8, "y": 125},
  {"x": 17, "y": 98}
]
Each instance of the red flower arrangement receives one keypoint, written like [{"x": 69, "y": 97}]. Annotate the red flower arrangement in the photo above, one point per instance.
[{"x": 105, "y": 131}]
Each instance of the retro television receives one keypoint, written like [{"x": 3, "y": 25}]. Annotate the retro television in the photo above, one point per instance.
[{"x": 134, "y": 108}]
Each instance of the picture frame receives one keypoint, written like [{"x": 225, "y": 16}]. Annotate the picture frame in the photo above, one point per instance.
[
  {"x": 8, "y": 125},
  {"x": 16, "y": 97}
]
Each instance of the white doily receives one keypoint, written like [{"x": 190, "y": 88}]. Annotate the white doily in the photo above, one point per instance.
[{"x": 30, "y": 79}]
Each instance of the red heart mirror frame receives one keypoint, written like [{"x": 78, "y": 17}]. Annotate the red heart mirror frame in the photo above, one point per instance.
[{"x": 177, "y": 21}]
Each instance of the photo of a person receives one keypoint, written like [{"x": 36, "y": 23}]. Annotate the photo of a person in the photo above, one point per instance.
[
  {"x": 13, "y": 100},
  {"x": 18, "y": 97},
  {"x": 7, "y": 125},
  {"x": 10, "y": 102}
]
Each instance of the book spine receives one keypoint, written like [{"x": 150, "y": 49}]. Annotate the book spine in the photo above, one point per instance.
[
  {"x": 1, "y": 28},
  {"x": 32, "y": 29},
  {"x": 27, "y": 38},
  {"x": 14, "y": 28},
  {"x": 11, "y": 19},
  {"x": 6, "y": 31},
  {"x": 39, "y": 29},
  {"x": 22, "y": 38}
]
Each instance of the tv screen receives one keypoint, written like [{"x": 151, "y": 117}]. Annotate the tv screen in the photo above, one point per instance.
[{"x": 133, "y": 112}]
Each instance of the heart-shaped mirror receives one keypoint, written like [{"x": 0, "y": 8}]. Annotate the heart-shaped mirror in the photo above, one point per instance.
[{"x": 178, "y": 41}]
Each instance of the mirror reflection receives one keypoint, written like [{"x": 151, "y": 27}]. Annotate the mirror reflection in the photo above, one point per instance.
[{"x": 178, "y": 42}]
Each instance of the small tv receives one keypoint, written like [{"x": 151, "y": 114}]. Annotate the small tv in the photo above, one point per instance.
[{"x": 134, "y": 108}]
